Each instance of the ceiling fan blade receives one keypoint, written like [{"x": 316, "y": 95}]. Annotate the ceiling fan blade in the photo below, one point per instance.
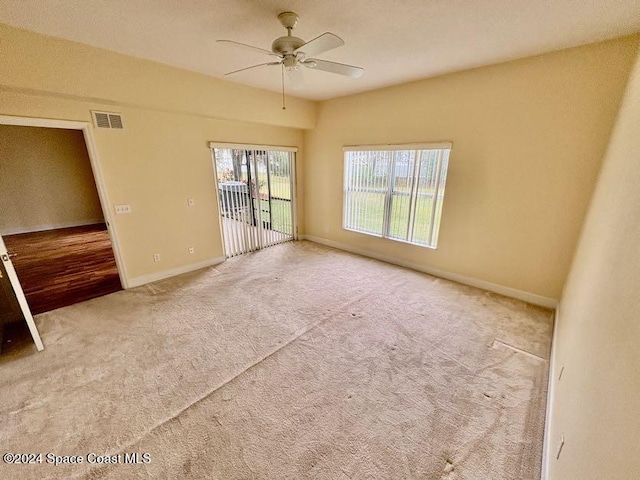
[
  {"x": 252, "y": 66},
  {"x": 321, "y": 44},
  {"x": 296, "y": 78},
  {"x": 333, "y": 67},
  {"x": 244, "y": 45}
]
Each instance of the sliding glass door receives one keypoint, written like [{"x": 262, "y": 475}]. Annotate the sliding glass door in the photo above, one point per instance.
[{"x": 256, "y": 196}]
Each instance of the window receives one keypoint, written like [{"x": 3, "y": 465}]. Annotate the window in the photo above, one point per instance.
[{"x": 396, "y": 192}]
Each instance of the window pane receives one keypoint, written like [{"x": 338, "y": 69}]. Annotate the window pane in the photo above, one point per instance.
[
  {"x": 431, "y": 181},
  {"x": 424, "y": 198},
  {"x": 366, "y": 176},
  {"x": 440, "y": 197},
  {"x": 402, "y": 186}
]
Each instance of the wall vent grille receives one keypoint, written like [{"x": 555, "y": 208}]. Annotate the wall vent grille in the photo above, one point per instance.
[{"x": 107, "y": 120}]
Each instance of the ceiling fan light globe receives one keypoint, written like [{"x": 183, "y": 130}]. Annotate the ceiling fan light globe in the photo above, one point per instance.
[{"x": 290, "y": 62}]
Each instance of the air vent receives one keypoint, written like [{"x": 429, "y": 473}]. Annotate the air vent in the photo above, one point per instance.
[
  {"x": 107, "y": 120},
  {"x": 115, "y": 121}
]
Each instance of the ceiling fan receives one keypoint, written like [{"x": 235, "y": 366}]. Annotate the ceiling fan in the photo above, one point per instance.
[{"x": 294, "y": 53}]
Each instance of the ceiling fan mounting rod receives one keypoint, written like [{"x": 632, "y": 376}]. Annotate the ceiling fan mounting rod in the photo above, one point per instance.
[{"x": 288, "y": 44}]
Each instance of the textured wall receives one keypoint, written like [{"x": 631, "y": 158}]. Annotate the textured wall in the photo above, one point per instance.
[
  {"x": 528, "y": 138},
  {"x": 162, "y": 156},
  {"x": 595, "y": 404},
  {"x": 45, "y": 180}
]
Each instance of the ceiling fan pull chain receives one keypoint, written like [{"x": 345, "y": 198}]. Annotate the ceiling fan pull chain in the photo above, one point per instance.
[{"x": 282, "y": 70}]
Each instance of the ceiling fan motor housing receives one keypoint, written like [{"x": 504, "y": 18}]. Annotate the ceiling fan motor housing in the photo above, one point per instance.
[{"x": 286, "y": 45}]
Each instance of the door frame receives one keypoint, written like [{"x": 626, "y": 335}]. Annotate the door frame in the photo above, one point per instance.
[
  {"x": 92, "y": 152},
  {"x": 19, "y": 293},
  {"x": 250, "y": 146}
]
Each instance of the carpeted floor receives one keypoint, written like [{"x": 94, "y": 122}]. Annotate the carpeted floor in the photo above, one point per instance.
[{"x": 298, "y": 361}]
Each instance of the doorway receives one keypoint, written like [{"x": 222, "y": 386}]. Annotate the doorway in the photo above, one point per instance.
[
  {"x": 58, "y": 233},
  {"x": 256, "y": 192}
]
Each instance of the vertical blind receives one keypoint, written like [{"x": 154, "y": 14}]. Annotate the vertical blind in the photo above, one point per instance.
[
  {"x": 255, "y": 188},
  {"x": 397, "y": 192}
]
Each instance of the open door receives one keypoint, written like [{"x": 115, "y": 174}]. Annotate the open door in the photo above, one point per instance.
[{"x": 13, "y": 304}]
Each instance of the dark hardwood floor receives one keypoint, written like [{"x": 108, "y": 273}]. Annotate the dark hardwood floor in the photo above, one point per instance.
[{"x": 61, "y": 267}]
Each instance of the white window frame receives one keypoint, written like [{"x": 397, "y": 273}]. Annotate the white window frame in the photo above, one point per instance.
[{"x": 434, "y": 229}]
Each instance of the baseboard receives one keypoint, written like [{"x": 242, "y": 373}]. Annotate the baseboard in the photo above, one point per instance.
[
  {"x": 546, "y": 443},
  {"x": 52, "y": 226},
  {"x": 474, "y": 282},
  {"x": 154, "y": 277}
]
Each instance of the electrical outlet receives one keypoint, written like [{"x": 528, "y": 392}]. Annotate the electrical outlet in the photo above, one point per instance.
[
  {"x": 122, "y": 209},
  {"x": 192, "y": 249},
  {"x": 191, "y": 202},
  {"x": 156, "y": 257}
]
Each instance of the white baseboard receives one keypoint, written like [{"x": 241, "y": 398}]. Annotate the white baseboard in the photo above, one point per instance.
[
  {"x": 546, "y": 444},
  {"x": 154, "y": 277},
  {"x": 474, "y": 282},
  {"x": 52, "y": 226}
]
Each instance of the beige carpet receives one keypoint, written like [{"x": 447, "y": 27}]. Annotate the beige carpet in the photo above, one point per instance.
[{"x": 298, "y": 361}]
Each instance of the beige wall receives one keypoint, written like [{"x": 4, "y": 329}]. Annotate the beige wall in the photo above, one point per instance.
[
  {"x": 161, "y": 158},
  {"x": 45, "y": 180},
  {"x": 596, "y": 402},
  {"x": 42, "y": 65},
  {"x": 528, "y": 137}
]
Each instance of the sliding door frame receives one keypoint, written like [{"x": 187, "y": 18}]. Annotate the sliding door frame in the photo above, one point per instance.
[
  {"x": 92, "y": 152},
  {"x": 254, "y": 147}
]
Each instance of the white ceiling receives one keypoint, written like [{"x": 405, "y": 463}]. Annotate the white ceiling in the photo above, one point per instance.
[{"x": 395, "y": 41}]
